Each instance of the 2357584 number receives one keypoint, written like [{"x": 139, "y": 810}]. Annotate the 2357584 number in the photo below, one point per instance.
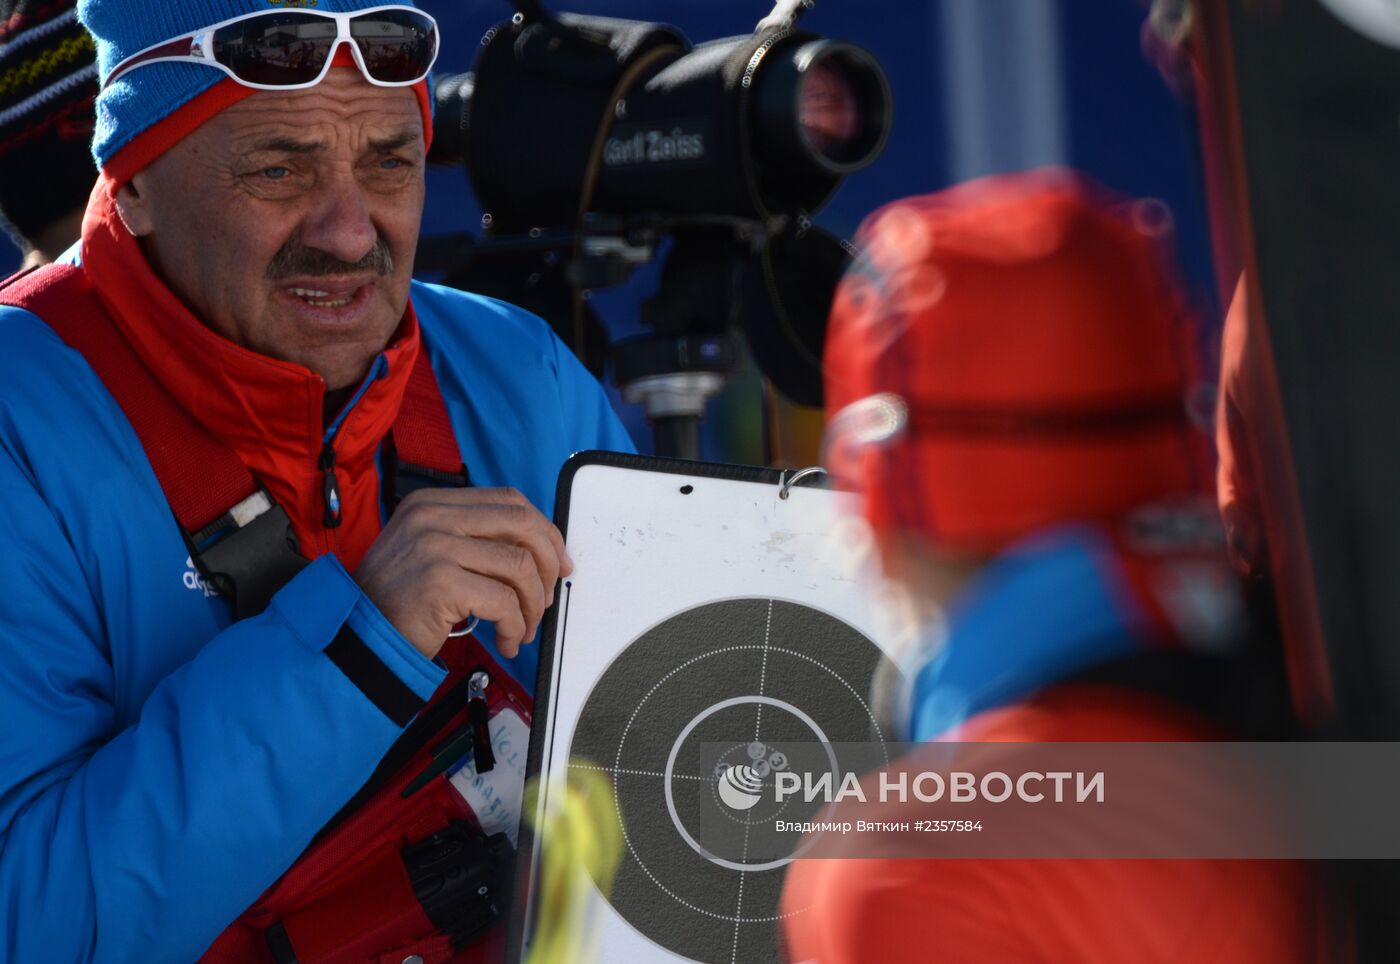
[{"x": 948, "y": 826}]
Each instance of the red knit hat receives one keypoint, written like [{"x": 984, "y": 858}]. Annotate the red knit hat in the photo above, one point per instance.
[{"x": 1009, "y": 354}]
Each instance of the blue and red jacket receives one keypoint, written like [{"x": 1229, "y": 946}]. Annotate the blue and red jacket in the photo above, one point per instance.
[
  {"x": 1041, "y": 647},
  {"x": 161, "y": 764}
]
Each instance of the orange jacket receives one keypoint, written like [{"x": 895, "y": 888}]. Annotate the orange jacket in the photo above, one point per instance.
[{"x": 1060, "y": 911}]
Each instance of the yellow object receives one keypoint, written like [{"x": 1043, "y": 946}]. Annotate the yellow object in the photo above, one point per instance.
[{"x": 583, "y": 843}]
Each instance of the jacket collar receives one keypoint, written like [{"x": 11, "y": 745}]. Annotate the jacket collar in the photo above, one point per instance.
[
  {"x": 267, "y": 410},
  {"x": 1069, "y": 598},
  {"x": 1045, "y": 609}
]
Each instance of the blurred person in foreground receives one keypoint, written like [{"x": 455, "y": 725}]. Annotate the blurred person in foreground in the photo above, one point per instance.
[
  {"x": 48, "y": 83},
  {"x": 1008, "y": 375}
]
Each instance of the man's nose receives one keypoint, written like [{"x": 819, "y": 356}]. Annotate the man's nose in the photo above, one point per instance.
[{"x": 339, "y": 223}]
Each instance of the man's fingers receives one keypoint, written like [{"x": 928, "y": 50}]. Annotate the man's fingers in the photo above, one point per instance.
[
  {"x": 512, "y": 524},
  {"x": 450, "y": 552},
  {"x": 465, "y": 497},
  {"x": 510, "y": 564},
  {"x": 516, "y": 525},
  {"x": 476, "y": 498},
  {"x": 496, "y": 602}
]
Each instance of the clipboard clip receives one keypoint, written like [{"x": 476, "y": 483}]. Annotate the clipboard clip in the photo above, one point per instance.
[{"x": 785, "y": 484}]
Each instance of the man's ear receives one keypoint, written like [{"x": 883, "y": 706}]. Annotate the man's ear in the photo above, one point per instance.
[{"x": 133, "y": 206}]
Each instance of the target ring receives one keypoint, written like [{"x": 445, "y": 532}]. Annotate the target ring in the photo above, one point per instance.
[
  {"x": 755, "y": 675},
  {"x": 671, "y": 768}
]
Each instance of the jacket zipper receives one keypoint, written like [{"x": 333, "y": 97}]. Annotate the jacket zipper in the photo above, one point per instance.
[
  {"x": 478, "y": 716},
  {"x": 332, "y": 514},
  {"x": 330, "y": 488}
]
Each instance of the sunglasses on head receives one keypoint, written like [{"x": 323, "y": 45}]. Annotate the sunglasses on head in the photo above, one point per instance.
[{"x": 394, "y": 46}]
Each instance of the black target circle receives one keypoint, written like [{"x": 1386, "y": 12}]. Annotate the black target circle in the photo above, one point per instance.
[{"x": 756, "y": 676}]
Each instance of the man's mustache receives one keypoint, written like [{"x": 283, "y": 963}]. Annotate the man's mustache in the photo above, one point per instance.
[{"x": 296, "y": 260}]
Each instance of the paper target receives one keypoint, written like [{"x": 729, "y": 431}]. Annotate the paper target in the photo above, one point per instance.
[{"x": 755, "y": 676}]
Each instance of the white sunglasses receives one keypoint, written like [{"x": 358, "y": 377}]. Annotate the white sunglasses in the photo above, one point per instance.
[{"x": 394, "y": 46}]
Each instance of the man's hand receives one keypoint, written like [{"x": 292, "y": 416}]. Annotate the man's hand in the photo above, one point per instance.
[{"x": 449, "y": 554}]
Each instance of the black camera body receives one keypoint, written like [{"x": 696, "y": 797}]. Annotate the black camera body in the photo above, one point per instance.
[
  {"x": 629, "y": 117},
  {"x": 589, "y": 140}
]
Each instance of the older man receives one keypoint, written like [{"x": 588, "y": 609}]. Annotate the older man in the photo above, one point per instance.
[{"x": 209, "y": 636}]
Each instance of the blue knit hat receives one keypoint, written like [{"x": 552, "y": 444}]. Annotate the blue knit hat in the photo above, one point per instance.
[{"x": 146, "y": 95}]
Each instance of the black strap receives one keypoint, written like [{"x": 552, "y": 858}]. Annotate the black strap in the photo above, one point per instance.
[
  {"x": 385, "y": 690},
  {"x": 399, "y": 478},
  {"x": 280, "y": 944}
]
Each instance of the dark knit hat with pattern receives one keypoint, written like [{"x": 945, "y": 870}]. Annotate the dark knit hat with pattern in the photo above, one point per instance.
[{"x": 48, "y": 83}]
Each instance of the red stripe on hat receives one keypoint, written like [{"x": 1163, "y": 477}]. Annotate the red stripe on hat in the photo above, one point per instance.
[{"x": 145, "y": 147}]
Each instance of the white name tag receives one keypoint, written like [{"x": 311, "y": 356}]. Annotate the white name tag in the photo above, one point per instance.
[{"x": 495, "y": 796}]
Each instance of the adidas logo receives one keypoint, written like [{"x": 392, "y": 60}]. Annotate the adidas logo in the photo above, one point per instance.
[{"x": 194, "y": 581}]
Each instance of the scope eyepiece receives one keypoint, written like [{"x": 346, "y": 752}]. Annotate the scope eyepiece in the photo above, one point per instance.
[{"x": 822, "y": 102}]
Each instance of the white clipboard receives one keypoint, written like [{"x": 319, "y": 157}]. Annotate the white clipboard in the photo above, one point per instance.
[{"x": 708, "y": 597}]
